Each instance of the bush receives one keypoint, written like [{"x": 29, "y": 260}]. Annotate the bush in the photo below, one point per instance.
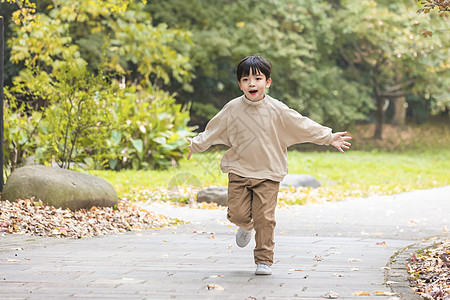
[
  {"x": 20, "y": 131},
  {"x": 151, "y": 130},
  {"x": 88, "y": 120}
]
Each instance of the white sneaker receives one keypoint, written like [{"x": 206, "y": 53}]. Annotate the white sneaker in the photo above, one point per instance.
[
  {"x": 262, "y": 269},
  {"x": 243, "y": 237}
]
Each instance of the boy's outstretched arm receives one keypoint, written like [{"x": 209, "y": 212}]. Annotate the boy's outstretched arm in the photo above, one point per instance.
[
  {"x": 340, "y": 141},
  {"x": 190, "y": 149}
]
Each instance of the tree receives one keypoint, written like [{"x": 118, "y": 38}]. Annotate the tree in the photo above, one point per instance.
[
  {"x": 296, "y": 35},
  {"x": 388, "y": 52}
]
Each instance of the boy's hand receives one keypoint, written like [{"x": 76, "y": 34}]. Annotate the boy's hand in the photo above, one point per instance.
[
  {"x": 340, "y": 141},
  {"x": 189, "y": 146}
]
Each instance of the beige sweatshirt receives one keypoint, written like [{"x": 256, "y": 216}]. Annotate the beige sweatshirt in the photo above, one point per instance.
[{"x": 258, "y": 134}]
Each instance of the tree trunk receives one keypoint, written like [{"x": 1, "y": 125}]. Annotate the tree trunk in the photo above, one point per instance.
[
  {"x": 380, "y": 117},
  {"x": 399, "y": 105},
  {"x": 399, "y": 111}
]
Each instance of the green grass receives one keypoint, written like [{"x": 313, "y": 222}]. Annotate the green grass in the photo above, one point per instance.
[
  {"x": 368, "y": 172},
  {"x": 408, "y": 158},
  {"x": 380, "y": 172}
]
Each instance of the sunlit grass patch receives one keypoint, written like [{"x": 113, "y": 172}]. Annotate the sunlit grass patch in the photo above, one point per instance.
[{"x": 354, "y": 174}]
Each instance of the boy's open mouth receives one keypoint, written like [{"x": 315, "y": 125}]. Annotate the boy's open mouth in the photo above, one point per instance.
[{"x": 253, "y": 92}]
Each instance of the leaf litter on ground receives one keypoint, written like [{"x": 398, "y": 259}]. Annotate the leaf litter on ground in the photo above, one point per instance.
[
  {"x": 429, "y": 271},
  {"x": 32, "y": 217},
  {"x": 184, "y": 196}
]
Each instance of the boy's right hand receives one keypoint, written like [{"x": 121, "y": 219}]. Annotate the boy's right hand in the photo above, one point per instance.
[
  {"x": 340, "y": 141},
  {"x": 190, "y": 149}
]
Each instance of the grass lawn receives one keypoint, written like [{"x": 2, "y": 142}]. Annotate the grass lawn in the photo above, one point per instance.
[
  {"x": 356, "y": 173},
  {"x": 408, "y": 158}
]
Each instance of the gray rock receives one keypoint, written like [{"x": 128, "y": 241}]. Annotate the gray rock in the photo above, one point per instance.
[
  {"x": 299, "y": 180},
  {"x": 217, "y": 195},
  {"x": 59, "y": 188}
]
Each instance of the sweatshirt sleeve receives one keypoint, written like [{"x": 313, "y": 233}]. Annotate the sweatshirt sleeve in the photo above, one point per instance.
[
  {"x": 215, "y": 133},
  {"x": 300, "y": 129}
]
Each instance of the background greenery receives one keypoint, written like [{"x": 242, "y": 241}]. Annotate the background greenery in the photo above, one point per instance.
[{"x": 119, "y": 85}]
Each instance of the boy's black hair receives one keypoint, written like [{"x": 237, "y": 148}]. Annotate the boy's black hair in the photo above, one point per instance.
[{"x": 256, "y": 63}]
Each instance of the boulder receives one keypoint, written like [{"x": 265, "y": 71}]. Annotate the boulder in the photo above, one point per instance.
[
  {"x": 217, "y": 195},
  {"x": 59, "y": 187},
  {"x": 299, "y": 180}
]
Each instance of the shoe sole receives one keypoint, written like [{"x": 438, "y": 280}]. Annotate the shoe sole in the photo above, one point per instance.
[{"x": 263, "y": 273}]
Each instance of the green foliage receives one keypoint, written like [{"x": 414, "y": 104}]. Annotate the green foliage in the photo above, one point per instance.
[
  {"x": 77, "y": 123},
  {"x": 72, "y": 112},
  {"x": 88, "y": 30},
  {"x": 20, "y": 129},
  {"x": 144, "y": 53},
  {"x": 92, "y": 121},
  {"x": 297, "y": 36},
  {"x": 389, "y": 53},
  {"x": 325, "y": 66},
  {"x": 151, "y": 131}
]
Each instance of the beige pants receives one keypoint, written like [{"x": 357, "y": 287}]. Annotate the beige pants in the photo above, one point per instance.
[{"x": 251, "y": 205}]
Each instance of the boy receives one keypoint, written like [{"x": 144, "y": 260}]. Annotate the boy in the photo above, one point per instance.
[{"x": 258, "y": 129}]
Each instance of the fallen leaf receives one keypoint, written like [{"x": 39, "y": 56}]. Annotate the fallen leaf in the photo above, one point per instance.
[
  {"x": 331, "y": 295},
  {"x": 29, "y": 216},
  {"x": 12, "y": 260},
  {"x": 391, "y": 282},
  {"x": 338, "y": 275},
  {"x": 381, "y": 293},
  {"x": 354, "y": 269},
  {"x": 294, "y": 270},
  {"x": 360, "y": 293},
  {"x": 214, "y": 287}
]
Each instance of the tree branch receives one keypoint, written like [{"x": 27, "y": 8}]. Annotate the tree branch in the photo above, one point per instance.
[
  {"x": 399, "y": 86},
  {"x": 394, "y": 94}
]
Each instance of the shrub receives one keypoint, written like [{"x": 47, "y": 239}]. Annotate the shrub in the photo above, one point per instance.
[
  {"x": 89, "y": 119},
  {"x": 151, "y": 130}
]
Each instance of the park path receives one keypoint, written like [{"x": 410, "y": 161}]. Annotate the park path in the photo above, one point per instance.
[{"x": 343, "y": 247}]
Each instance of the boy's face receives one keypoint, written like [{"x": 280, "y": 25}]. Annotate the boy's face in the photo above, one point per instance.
[{"x": 254, "y": 86}]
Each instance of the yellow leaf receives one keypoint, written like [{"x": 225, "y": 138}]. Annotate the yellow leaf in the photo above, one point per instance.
[
  {"x": 359, "y": 293},
  {"x": 214, "y": 287},
  {"x": 381, "y": 293}
]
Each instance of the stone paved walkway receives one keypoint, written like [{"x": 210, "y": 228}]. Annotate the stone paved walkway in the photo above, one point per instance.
[{"x": 342, "y": 247}]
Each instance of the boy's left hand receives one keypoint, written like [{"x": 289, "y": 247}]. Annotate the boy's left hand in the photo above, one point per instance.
[{"x": 340, "y": 141}]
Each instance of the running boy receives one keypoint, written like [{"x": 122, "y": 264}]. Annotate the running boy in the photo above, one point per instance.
[{"x": 258, "y": 129}]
